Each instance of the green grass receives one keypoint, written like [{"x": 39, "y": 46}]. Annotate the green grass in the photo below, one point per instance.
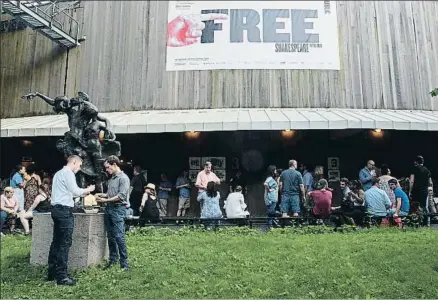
[{"x": 240, "y": 263}]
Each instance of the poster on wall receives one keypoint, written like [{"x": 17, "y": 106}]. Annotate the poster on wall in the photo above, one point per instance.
[
  {"x": 221, "y": 174},
  {"x": 211, "y": 35},
  {"x": 204, "y": 159},
  {"x": 194, "y": 163},
  {"x": 192, "y": 175},
  {"x": 218, "y": 162},
  {"x": 334, "y": 175},
  {"x": 333, "y": 163}
]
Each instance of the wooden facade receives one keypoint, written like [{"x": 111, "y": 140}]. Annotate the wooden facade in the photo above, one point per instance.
[{"x": 388, "y": 51}]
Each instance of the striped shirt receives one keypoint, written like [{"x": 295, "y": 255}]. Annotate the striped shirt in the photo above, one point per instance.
[{"x": 65, "y": 188}]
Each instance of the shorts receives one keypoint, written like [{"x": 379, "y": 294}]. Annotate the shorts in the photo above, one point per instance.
[
  {"x": 183, "y": 203},
  {"x": 290, "y": 204}
]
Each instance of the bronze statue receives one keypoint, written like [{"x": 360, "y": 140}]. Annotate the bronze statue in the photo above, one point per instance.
[{"x": 89, "y": 136}]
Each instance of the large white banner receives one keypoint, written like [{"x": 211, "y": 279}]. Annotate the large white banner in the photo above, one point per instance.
[{"x": 208, "y": 35}]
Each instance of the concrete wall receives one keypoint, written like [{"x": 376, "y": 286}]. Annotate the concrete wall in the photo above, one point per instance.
[{"x": 89, "y": 246}]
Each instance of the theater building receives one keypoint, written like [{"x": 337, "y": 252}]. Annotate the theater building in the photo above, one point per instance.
[{"x": 246, "y": 83}]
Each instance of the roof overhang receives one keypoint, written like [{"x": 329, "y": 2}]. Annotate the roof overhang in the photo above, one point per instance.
[{"x": 160, "y": 121}]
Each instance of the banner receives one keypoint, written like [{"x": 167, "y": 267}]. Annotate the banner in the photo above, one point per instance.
[{"x": 209, "y": 35}]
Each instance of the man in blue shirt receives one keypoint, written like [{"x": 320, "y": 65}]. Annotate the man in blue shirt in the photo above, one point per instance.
[
  {"x": 377, "y": 201},
  {"x": 164, "y": 189},
  {"x": 307, "y": 179},
  {"x": 17, "y": 183},
  {"x": 401, "y": 200},
  {"x": 183, "y": 186},
  {"x": 292, "y": 187},
  {"x": 367, "y": 174}
]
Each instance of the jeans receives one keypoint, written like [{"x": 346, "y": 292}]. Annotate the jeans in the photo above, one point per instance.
[
  {"x": 3, "y": 218},
  {"x": 115, "y": 227},
  {"x": 63, "y": 225},
  {"x": 271, "y": 211},
  {"x": 19, "y": 194}
]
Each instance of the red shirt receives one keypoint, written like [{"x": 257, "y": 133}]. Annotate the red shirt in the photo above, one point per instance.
[{"x": 323, "y": 202}]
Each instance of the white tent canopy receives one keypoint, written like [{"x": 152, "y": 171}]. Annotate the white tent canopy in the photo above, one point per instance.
[{"x": 159, "y": 121}]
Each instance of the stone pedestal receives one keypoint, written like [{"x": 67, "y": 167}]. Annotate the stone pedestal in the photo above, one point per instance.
[{"x": 89, "y": 246}]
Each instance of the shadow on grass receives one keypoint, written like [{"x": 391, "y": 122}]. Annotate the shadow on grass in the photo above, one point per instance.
[{"x": 16, "y": 269}]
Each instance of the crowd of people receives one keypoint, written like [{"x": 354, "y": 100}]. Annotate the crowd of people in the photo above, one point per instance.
[
  {"x": 28, "y": 193},
  {"x": 154, "y": 205},
  {"x": 296, "y": 192},
  {"x": 291, "y": 192},
  {"x": 376, "y": 193}
]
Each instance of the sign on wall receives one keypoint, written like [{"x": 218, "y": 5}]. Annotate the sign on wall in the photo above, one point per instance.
[
  {"x": 192, "y": 175},
  {"x": 333, "y": 163},
  {"x": 221, "y": 174},
  {"x": 334, "y": 175},
  {"x": 218, "y": 162},
  {"x": 194, "y": 163},
  {"x": 208, "y": 35}
]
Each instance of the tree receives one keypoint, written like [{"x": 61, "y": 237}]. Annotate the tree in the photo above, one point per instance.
[{"x": 434, "y": 92}]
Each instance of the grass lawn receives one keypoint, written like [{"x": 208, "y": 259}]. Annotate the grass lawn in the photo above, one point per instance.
[{"x": 239, "y": 263}]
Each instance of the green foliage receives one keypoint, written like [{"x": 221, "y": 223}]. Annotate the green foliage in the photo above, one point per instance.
[
  {"x": 434, "y": 92},
  {"x": 308, "y": 262}
]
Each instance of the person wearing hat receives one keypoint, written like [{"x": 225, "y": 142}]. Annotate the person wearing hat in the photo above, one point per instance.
[{"x": 148, "y": 209}]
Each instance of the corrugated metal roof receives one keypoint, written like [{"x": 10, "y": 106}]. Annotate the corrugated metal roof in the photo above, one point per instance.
[{"x": 232, "y": 119}]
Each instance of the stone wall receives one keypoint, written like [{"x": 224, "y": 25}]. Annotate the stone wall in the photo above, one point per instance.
[{"x": 89, "y": 246}]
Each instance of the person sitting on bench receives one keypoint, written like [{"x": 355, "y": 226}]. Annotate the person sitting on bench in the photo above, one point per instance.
[
  {"x": 148, "y": 209},
  {"x": 41, "y": 204},
  {"x": 235, "y": 206},
  {"x": 401, "y": 207},
  {"x": 377, "y": 202},
  {"x": 8, "y": 208},
  {"x": 322, "y": 198}
]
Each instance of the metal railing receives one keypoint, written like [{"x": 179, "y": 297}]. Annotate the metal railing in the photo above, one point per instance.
[
  {"x": 251, "y": 222},
  {"x": 50, "y": 11}
]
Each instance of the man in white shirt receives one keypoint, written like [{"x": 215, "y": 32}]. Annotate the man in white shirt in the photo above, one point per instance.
[{"x": 64, "y": 189}]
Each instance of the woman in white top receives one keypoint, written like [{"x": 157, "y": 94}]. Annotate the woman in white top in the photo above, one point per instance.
[{"x": 235, "y": 204}]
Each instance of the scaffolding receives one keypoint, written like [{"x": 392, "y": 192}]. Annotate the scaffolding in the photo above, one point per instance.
[{"x": 53, "y": 19}]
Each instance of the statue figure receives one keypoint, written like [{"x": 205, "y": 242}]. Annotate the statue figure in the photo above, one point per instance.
[{"x": 89, "y": 136}]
